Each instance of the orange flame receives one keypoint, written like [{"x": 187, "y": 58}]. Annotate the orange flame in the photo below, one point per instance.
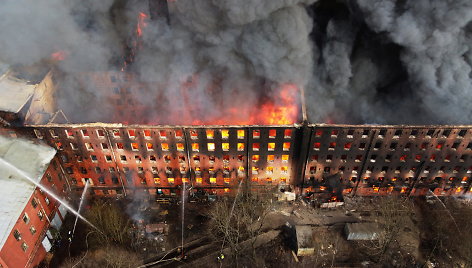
[
  {"x": 282, "y": 109},
  {"x": 142, "y": 17}
]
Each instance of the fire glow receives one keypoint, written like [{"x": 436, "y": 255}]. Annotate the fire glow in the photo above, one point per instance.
[
  {"x": 142, "y": 17},
  {"x": 58, "y": 55},
  {"x": 281, "y": 109}
]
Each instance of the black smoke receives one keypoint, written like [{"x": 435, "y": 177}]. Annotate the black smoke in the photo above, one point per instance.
[{"x": 359, "y": 61}]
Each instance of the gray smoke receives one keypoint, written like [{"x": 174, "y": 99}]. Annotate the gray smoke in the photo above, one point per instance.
[
  {"x": 432, "y": 39},
  {"x": 359, "y": 61}
]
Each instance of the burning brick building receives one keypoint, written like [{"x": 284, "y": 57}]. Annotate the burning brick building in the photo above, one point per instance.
[
  {"x": 310, "y": 159},
  {"x": 217, "y": 107}
]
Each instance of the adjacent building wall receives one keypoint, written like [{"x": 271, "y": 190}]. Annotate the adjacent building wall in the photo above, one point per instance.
[{"x": 28, "y": 251}]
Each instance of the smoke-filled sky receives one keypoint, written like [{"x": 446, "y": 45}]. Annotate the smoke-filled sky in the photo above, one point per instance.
[{"x": 358, "y": 61}]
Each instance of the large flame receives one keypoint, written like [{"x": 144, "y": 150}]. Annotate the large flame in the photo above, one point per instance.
[{"x": 281, "y": 109}]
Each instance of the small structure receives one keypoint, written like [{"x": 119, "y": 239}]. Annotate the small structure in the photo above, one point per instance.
[
  {"x": 362, "y": 231},
  {"x": 161, "y": 228},
  {"x": 305, "y": 244}
]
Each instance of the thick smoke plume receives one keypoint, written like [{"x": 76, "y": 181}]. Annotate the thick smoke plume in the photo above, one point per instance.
[{"x": 239, "y": 61}]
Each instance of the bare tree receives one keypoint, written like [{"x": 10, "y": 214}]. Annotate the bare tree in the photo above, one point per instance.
[
  {"x": 448, "y": 232},
  {"x": 239, "y": 219},
  {"x": 392, "y": 214},
  {"x": 112, "y": 257},
  {"x": 113, "y": 225}
]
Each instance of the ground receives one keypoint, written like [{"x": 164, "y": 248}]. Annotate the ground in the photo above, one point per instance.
[{"x": 402, "y": 244}]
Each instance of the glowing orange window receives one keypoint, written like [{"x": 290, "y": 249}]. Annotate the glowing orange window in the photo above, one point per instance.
[
  {"x": 195, "y": 147},
  {"x": 178, "y": 134},
  {"x": 193, "y": 134},
  {"x": 283, "y": 180},
  {"x": 226, "y": 190},
  {"x": 240, "y": 146},
  {"x": 199, "y": 180},
  {"x": 149, "y": 146},
  {"x": 317, "y": 145},
  {"x": 157, "y": 180},
  {"x": 224, "y": 134},
  {"x": 60, "y": 147},
  {"x": 147, "y": 133},
  {"x": 119, "y": 146},
  {"x": 227, "y": 180},
  {"x": 212, "y": 180},
  {"x": 171, "y": 180},
  {"x": 211, "y": 146},
  {"x": 255, "y": 179},
  {"x": 286, "y": 146},
  {"x": 255, "y": 158},
  {"x": 272, "y": 133},
  {"x": 69, "y": 133},
  {"x": 225, "y": 146},
  {"x": 165, "y": 146},
  {"x": 131, "y": 133},
  {"x": 256, "y": 134},
  {"x": 134, "y": 146},
  {"x": 269, "y": 180},
  {"x": 347, "y": 146},
  {"x": 403, "y": 158},
  {"x": 255, "y": 170},
  {"x": 464, "y": 179},
  {"x": 185, "y": 180},
  {"x": 270, "y": 170},
  {"x": 271, "y": 146},
  {"x": 163, "y": 134},
  {"x": 332, "y": 145},
  {"x": 270, "y": 158},
  {"x": 241, "y": 169},
  {"x": 256, "y": 146},
  {"x": 180, "y": 146},
  {"x": 210, "y": 133},
  {"x": 287, "y": 133},
  {"x": 285, "y": 157},
  {"x": 284, "y": 169},
  {"x": 240, "y": 133}
]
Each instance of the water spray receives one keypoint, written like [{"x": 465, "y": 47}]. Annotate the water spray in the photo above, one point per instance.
[
  {"x": 47, "y": 191},
  {"x": 80, "y": 204}
]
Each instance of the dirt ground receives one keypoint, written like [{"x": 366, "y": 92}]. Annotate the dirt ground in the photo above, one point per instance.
[{"x": 402, "y": 249}]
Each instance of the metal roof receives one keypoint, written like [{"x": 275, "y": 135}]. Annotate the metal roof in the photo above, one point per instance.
[{"x": 15, "y": 93}]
